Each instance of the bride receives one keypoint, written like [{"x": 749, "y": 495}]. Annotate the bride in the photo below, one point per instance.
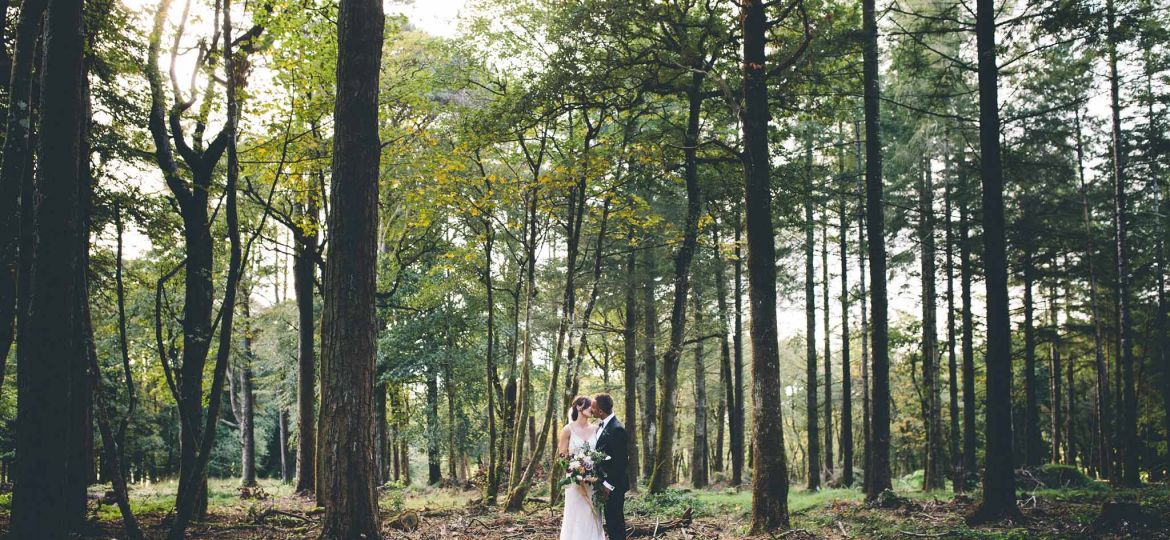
[{"x": 581, "y": 521}]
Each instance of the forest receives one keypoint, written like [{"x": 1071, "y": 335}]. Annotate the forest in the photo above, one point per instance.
[{"x": 337, "y": 269}]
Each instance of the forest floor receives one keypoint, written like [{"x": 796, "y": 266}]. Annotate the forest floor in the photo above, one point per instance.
[{"x": 274, "y": 512}]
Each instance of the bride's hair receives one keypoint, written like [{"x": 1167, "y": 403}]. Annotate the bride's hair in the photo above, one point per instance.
[{"x": 579, "y": 404}]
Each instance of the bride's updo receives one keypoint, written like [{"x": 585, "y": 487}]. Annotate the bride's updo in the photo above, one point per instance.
[{"x": 580, "y": 403}]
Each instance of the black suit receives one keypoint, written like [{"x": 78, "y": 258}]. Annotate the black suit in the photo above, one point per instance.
[{"x": 614, "y": 441}]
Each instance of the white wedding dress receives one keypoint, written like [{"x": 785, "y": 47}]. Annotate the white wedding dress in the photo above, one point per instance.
[{"x": 580, "y": 521}]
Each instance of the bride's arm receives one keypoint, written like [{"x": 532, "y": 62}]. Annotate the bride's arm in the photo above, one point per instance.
[{"x": 563, "y": 443}]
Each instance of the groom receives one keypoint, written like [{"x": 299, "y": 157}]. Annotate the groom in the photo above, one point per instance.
[{"x": 612, "y": 440}]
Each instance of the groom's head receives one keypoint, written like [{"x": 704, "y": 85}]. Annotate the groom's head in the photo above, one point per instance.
[{"x": 602, "y": 406}]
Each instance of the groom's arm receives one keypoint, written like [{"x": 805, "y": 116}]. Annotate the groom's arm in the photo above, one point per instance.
[{"x": 618, "y": 451}]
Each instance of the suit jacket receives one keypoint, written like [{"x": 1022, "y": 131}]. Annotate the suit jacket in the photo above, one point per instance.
[{"x": 614, "y": 441}]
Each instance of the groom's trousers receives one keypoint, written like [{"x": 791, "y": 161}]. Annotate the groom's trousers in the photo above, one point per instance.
[{"x": 615, "y": 515}]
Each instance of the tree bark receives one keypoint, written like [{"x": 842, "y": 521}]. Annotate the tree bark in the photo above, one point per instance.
[
  {"x": 952, "y": 361},
  {"x": 737, "y": 411},
  {"x": 52, "y": 389},
  {"x": 304, "y": 280},
  {"x": 1128, "y": 436},
  {"x": 16, "y": 166},
  {"x": 967, "y": 328},
  {"x": 935, "y": 470},
  {"x": 699, "y": 461},
  {"x": 862, "y": 248},
  {"x": 1032, "y": 442},
  {"x": 1054, "y": 374},
  {"x": 247, "y": 417},
  {"x": 664, "y": 446},
  {"x": 1102, "y": 435},
  {"x": 649, "y": 362},
  {"x": 999, "y": 491},
  {"x": 630, "y": 361},
  {"x": 879, "y": 444},
  {"x": 826, "y": 320},
  {"x": 810, "y": 320},
  {"x": 770, "y": 472},
  {"x": 348, "y": 328},
  {"x": 846, "y": 367},
  {"x": 726, "y": 373}
]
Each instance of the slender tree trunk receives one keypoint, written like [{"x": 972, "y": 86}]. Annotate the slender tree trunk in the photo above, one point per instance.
[
  {"x": 879, "y": 444},
  {"x": 935, "y": 469},
  {"x": 247, "y": 417},
  {"x": 699, "y": 447},
  {"x": 828, "y": 463},
  {"x": 348, "y": 327},
  {"x": 630, "y": 361},
  {"x": 664, "y": 445},
  {"x": 1128, "y": 436},
  {"x": 1054, "y": 373},
  {"x": 738, "y": 427},
  {"x": 846, "y": 366},
  {"x": 434, "y": 460},
  {"x": 952, "y": 361},
  {"x": 770, "y": 471},
  {"x": 726, "y": 378},
  {"x": 810, "y": 319},
  {"x": 650, "y": 362},
  {"x": 999, "y": 490},
  {"x": 967, "y": 325},
  {"x": 1032, "y": 442},
  {"x": 494, "y": 467},
  {"x": 285, "y": 462},
  {"x": 381, "y": 427},
  {"x": 304, "y": 278},
  {"x": 521, "y": 418},
  {"x": 861, "y": 252}
]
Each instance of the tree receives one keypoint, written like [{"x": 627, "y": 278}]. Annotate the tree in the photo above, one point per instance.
[
  {"x": 348, "y": 332},
  {"x": 879, "y": 444},
  {"x": 770, "y": 474},
  {"x": 999, "y": 490},
  {"x": 810, "y": 318},
  {"x": 53, "y": 390}
]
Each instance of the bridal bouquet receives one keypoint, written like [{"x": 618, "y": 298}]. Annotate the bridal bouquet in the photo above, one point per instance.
[{"x": 581, "y": 468}]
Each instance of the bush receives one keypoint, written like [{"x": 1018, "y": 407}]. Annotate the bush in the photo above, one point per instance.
[
  {"x": 672, "y": 502},
  {"x": 1051, "y": 476}
]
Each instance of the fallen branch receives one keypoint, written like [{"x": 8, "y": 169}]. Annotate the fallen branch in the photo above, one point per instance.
[
  {"x": 646, "y": 529},
  {"x": 926, "y": 535}
]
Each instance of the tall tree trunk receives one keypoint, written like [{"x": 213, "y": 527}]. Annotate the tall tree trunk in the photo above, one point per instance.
[
  {"x": 1128, "y": 436},
  {"x": 381, "y": 427},
  {"x": 664, "y": 446},
  {"x": 952, "y": 361},
  {"x": 770, "y": 471},
  {"x": 726, "y": 377},
  {"x": 630, "y": 361},
  {"x": 649, "y": 361},
  {"x": 738, "y": 427},
  {"x": 999, "y": 489},
  {"x": 285, "y": 462},
  {"x": 304, "y": 281},
  {"x": 50, "y": 419},
  {"x": 1032, "y": 442},
  {"x": 16, "y": 166},
  {"x": 521, "y": 418},
  {"x": 247, "y": 416},
  {"x": 810, "y": 320},
  {"x": 494, "y": 466},
  {"x": 846, "y": 366},
  {"x": 699, "y": 461},
  {"x": 348, "y": 327},
  {"x": 862, "y": 248},
  {"x": 434, "y": 460},
  {"x": 1054, "y": 374},
  {"x": 879, "y": 444},
  {"x": 828, "y": 463},
  {"x": 967, "y": 325},
  {"x": 935, "y": 469}
]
